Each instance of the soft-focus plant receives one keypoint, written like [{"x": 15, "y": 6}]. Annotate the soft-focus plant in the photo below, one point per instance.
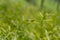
[{"x": 20, "y": 20}]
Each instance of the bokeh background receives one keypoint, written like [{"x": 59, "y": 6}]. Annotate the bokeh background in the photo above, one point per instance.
[{"x": 29, "y": 19}]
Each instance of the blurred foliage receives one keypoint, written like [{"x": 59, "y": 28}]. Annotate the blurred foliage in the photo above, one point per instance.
[{"x": 20, "y": 20}]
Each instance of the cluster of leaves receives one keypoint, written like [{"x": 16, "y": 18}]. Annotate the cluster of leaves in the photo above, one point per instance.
[{"x": 20, "y": 21}]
